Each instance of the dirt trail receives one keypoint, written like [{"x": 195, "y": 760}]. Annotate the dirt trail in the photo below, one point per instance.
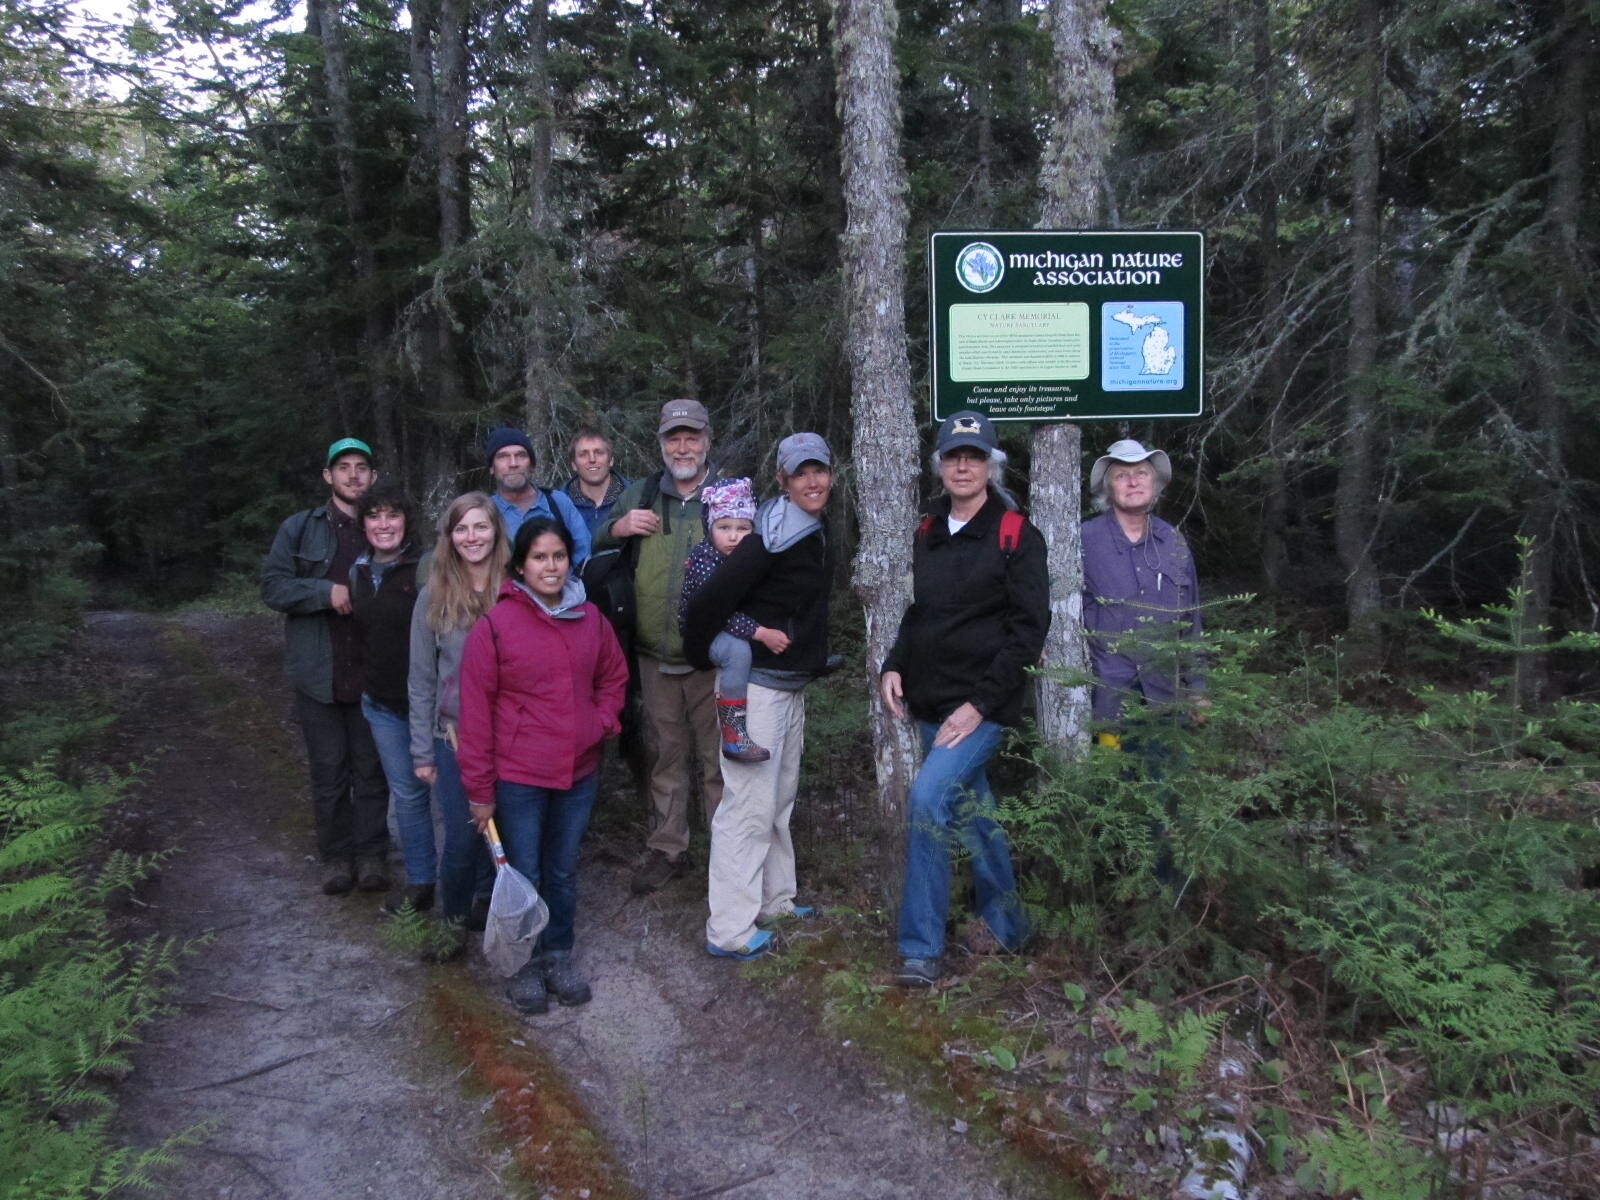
[{"x": 308, "y": 1045}]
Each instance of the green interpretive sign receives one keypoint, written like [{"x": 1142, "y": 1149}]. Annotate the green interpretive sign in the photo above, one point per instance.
[{"x": 1051, "y": 325}]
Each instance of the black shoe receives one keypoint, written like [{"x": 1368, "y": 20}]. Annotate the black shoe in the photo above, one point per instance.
[
  {"x": 478, "y": 914},
  {"x": 655, "y": 873},
  {"x": 372, "y": 875},
  {"x": 419, "y": 896},
  {"x": 918, "y": 973},
  {"x": 338, "y": 877},
  {"x": 525, "y": 989},
  {"x": 561, "y": 977}
]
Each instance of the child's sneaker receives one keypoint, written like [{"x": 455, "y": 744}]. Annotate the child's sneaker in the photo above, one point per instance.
[{"x": 736, "y": 743}]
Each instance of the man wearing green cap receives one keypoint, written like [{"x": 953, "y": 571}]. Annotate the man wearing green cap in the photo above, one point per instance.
[{"x": 306, "y": 576}]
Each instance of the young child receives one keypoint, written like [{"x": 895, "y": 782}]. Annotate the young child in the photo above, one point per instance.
[{"x": 730, "y": 511}]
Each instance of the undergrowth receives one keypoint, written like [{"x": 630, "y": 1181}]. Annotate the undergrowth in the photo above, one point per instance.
[
  {"x": 73, "y": 996},
  {"x": 1399, "y": 868},
  {"x": 1352, "y": 916}
]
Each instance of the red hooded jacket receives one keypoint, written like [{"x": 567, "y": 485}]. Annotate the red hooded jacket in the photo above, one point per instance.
[{"x": 539, "y": 693}]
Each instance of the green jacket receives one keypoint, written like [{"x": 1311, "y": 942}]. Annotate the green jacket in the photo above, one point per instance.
[
  {"x": 658, "y": 577},
  {"x": 293, "y": 583}
]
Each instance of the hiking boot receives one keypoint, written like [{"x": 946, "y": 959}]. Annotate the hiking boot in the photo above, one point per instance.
[
  {"x": 478, "y": 914},
  {"x": 654, "y": 873},
  {"x": 918, "y": 973},
  {"x": 338, "y": 877},
  {"x": 525, "y": 989},
  {"x": 979, "y": 940},
  {"x": 372, "y": 874},
  {"x": 418, "y": 896},
  {"x": 561, "y": 977},
  {"x": 736, "y": 743}
]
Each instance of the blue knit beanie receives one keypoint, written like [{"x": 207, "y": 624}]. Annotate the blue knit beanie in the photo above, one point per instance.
[{"x": 505, "y": 436}]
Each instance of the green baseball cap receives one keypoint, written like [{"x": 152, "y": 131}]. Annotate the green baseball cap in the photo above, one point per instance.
[{"x": 345, "y": 446}]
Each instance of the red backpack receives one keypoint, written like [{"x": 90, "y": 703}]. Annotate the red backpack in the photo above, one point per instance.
[{"x": 1009, "y": 533}]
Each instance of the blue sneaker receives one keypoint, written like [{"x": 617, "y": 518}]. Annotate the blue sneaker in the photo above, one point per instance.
[{"x": 758, "y": 945}]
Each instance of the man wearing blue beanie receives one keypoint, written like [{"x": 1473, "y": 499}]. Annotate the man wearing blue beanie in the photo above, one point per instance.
[{"x": 510, "y": 459}]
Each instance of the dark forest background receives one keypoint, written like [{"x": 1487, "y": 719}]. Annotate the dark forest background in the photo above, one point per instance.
[{"x": 228, "y": 236}]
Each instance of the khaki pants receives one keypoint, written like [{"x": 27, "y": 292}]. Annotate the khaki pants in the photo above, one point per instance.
[
  {"x": 680, "y": 725},
  {"x": 752, "y": 856}
]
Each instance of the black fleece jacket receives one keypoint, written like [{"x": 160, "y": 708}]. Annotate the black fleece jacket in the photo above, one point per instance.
[
  {"x": 382, "y": 618},
  {"x": 787, "y": 591},
  {"x": 977, "y": 620}
]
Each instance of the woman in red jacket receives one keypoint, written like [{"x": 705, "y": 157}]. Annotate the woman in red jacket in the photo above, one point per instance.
[{"x": 542, "y": 684}]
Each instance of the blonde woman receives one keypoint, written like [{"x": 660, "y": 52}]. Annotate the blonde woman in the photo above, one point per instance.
[{"x": 468, "y": 564}]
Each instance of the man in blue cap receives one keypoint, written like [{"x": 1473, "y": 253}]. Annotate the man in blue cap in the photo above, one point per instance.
[
  {"x": 306, "y": 577},
  {"x": 511, "y": 462}
]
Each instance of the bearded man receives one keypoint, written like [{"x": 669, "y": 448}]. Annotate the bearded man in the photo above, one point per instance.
[{"x": 663, "y": 513}]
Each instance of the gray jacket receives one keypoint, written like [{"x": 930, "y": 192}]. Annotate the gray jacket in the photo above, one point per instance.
[
  {"x": 434, "y": 686},
  {"x": 293, "y": 582}
]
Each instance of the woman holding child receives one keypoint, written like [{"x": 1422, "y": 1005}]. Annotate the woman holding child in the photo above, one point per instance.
[
  {"x": 542, "y": 685},
  {"x": 775, "y": 578}
]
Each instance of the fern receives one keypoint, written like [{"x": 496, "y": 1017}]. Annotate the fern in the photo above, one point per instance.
[
  {"x": 73, "y": 997},
  {"x": 1373, "y": 1161}
]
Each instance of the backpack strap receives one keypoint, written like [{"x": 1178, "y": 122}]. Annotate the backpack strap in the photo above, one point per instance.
[
  {"x": 1010, "y": 531},
  {"x": 924, "y": 525}
]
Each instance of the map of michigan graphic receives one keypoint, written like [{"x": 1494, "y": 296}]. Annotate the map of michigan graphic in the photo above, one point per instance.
[
  {"x": 1141, "y": 346},
  {"x": 1157, "y": 348}
]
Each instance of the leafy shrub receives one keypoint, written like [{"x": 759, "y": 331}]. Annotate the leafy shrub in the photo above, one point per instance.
[{"x": 1426, "y": 846}]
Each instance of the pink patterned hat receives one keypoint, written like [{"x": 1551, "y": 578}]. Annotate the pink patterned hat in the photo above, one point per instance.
[{"x": 728, "y": 498}]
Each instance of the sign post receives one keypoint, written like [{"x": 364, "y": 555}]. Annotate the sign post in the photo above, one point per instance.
[{"x": 1049, "y": 325}]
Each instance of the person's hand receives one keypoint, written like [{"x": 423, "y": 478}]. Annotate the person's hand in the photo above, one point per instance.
[
  {"x": 480, "y": 815},
  {"x": 889, "y": 685},
  {"x": 339, "y": 599},
  {"x": 636, "y": 522},
  {"x": 957, "y": 725},
  {"x": 429, "y": 774},
  {"x": 775, "y": 640}
]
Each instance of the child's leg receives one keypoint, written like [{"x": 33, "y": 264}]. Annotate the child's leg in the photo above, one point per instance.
[{"x": 732, "y": 658}]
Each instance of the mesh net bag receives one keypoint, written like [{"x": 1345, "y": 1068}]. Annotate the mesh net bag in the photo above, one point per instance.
[{"x": 517, "y": 915}]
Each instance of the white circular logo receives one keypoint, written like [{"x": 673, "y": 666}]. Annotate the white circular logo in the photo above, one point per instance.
[{"x": 980, "y": 267}]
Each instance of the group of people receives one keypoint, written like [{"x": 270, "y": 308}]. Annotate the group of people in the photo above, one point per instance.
[{"x": 479, "y": 681}]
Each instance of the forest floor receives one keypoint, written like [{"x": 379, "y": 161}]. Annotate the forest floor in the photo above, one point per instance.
[{"x": 315, "y": 1060}]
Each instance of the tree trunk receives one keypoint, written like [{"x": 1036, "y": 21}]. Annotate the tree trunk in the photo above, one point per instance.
[
  {"x": 347, "y": 155},
  {"x": 1549, "y": 483},
  {"x": 886, "y": 451},
  {"x": 1274, "y": 379},
  {"x": 1354, "y": 509},
  {"x": 455, "y": 228},
  {"x": 539, "y": 408},
  {"x": 1072, "y": 179}
]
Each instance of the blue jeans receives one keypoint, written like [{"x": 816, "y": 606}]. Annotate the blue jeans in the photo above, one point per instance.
[
  {"x": 540, "y": 829},
  {"x": 731, "y": 656},
  {"x": 465, "y": 868},
  {"x": 951, "y": 806},
  {"x": 413, "y": 815}
]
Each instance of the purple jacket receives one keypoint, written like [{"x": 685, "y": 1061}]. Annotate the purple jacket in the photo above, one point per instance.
[{"x": 1138, "y": 597}]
